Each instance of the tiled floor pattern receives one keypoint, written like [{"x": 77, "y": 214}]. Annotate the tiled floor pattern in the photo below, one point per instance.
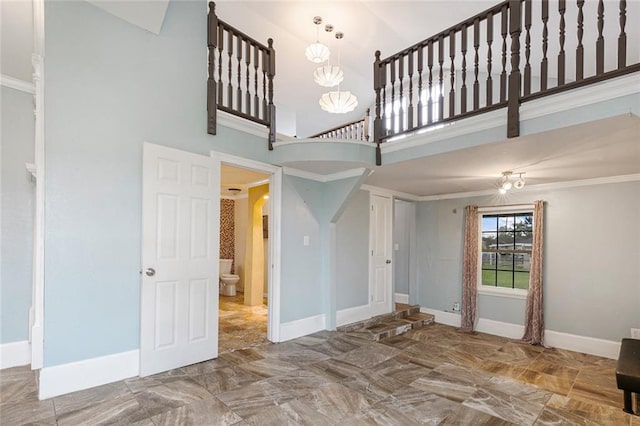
[
  {"x": 240, "y": 326},
  {"x": 433, "y": 375}
]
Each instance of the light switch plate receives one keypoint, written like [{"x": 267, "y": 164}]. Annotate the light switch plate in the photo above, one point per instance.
[
  {"x": 305, "y": 240},
  {"x": 635, "y": 333}
]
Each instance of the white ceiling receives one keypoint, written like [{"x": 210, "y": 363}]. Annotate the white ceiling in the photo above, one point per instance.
[
  {"x": 603, "y": 148},
  {"x": 237, "y": 177}
]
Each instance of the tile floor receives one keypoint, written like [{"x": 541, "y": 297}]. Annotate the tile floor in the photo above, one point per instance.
[
  {"x": 433, "y": 375},
  {"x": 240, "y": 326}
]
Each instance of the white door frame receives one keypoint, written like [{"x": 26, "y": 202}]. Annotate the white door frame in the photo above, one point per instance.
[
  {"x": 36, "y": 312},
  {"x": 275, "y": 227}
]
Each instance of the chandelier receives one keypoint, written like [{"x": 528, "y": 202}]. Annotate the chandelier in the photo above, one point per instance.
[
  {"x": 506, "y": 184},
  {"x": 317, "y": 52},
  {"x": 329, "y": 75},
  {"x": 338, "y": 102}
]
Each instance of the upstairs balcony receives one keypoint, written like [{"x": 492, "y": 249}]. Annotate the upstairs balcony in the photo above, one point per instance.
[{"x": 511, "y": 54}]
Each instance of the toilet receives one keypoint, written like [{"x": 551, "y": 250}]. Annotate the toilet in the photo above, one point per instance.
[{"x": 228, "y": 280}]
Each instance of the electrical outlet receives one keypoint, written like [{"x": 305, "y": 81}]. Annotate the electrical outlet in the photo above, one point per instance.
[
  {"x": 456, "y": 307},
  {"x": 635, "y": 333}
]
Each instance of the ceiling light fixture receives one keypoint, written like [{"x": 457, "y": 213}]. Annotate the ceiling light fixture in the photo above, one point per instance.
[
  {"x": 506, "y": 184},
  {"x": 317, "y": 52},
  {"x": 338, "y": 102},
  {"x": 328, "y": 75}
]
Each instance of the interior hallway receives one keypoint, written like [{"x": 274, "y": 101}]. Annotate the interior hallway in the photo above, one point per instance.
[
  {"x": 240, "y": 326},
  {"x": 432, "y": 375}
]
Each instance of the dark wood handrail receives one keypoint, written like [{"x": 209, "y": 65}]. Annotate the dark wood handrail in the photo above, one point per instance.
[
  {"x": 430, "y": 83},
  {"x": 443, "y": 33},
  {"x": 243, "y": 69}
]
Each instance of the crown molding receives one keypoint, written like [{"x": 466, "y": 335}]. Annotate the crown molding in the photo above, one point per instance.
[
  {"x": 17, "y": 84},
  {"x": 390, "y": 192},
  {"x": 541, "y": 187},
  {"x": 324, "y": 178}
]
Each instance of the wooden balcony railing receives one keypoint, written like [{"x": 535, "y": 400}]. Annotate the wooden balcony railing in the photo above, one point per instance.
[
  {"x": 241, "y": 72},
  {"x": 355, "y": 131},
  {"x": 475, "y": 66}
]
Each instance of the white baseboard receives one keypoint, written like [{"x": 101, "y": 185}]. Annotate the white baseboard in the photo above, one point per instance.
[
  {"x": 14, "y": 354},
  {"x": 79, "y": 375},
  {"x": 400, "y": 298},
  {"x": 351, "y": 315},
  {"x": 555, "y": 339},
  {"x": 587, "y": 345},
  {"x": 442, "y": 317},
  {"x": 302, "y": 327}
]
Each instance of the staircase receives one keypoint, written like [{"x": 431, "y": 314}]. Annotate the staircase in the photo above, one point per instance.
[{"x": 405, "y": 318}]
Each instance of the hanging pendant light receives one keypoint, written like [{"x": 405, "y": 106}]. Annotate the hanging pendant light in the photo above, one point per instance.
[
  {"x": 338, "y": 102},
  {"x": 328, "y": 75},
  {"x": 317, "y": 52}
]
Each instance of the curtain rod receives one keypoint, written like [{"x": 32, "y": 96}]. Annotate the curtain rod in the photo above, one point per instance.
[{"x": 525, "y": 205}]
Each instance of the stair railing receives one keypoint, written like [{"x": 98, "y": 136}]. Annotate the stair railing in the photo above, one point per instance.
[
  {"x": 354, "y": 131},
  {"x": 475, "y": 66},
  {"x": 241, "y": 72}
]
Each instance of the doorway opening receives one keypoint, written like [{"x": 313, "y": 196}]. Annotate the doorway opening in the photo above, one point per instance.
[
  {"x": 249, "y": 296},
  {"x": 244, "y": 258},
  {"x": 404, "y": 249}
]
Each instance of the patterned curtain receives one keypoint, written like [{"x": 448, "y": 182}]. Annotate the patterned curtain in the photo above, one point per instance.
[
  {"x": 534, "y": 322},
  {"x": 470, "y": 270}
]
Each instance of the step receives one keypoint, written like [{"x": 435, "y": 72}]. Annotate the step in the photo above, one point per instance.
[{"x": 388, "y": 325}]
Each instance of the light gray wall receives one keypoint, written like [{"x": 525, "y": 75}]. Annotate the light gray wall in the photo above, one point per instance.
[
  {"x": 352, "y": 248},
  {"x": 110, "y": 87},
  {"x": 591, "y": 268},
  {"x": 16, "y": 213},
  {"x": 309, "y": 208},
  {"x": 301, "y": 291}
]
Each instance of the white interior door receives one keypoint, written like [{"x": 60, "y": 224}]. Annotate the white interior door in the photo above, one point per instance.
[
  {"x": 380, "y": 296},
  {"x": 179, "y": 296}
]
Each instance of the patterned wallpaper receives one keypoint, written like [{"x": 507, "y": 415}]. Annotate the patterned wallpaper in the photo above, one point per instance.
[{"x": 227, "y": 249}]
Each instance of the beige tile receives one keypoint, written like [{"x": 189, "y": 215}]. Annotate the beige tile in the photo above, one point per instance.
[
  {"x": 84, "y": 398},
  {"x": 159, "y": 399},
  {"x": 545, "y": 381},
  {"x": 501, "y": 369},
  {"x": 123, "y": 409},
  {"x": 551, "y": 368},
  {"x": 593, "y": 411},
  {"x": 18, "y": 413},
  {"x": 209, "y": 412},
  {"x": 597, "y": 394}
]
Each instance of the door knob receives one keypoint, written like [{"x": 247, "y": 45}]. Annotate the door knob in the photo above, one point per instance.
[
  {"x": 388, "y": 260},
  {"x": 150, "y": 272}
]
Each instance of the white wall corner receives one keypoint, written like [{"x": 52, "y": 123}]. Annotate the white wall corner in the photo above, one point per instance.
[
  {"x": 351, "y": 315},
  {"x": 14, "y": 354},
  {"x": 400, "y": 298},
  {"x": 554, "y": 339},
  {"x": 88, "y": 373},
  {"x": 302, "y": 327}
]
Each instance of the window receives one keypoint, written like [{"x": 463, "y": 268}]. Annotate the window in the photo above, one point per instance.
[{"x": 506, "y": 250}]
